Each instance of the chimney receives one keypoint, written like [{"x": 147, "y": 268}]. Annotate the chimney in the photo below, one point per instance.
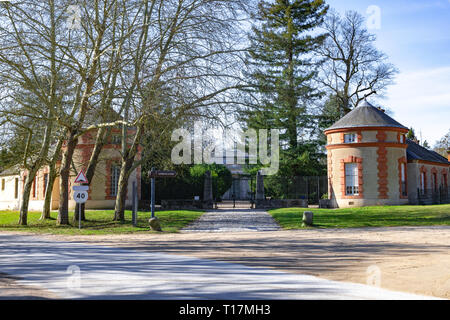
[{"x": 448, "y": 155}]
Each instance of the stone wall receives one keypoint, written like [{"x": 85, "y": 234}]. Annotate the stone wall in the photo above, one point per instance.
[
  {"x": 186, "y": 204},
  {"x": 280, "y": 203}
]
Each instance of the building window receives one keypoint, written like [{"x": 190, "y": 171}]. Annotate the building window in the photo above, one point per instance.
[
  {"x": 16, "y": 188},
  {"x": 351, "y": 179},
  {"x": 434, "y": 181},
  {"x": 115, "y": 173},
  {"x": 45, "y": 182},
  {"x": 350, "y": 138},
  {"x": 34, "y": 187},
  {"x": 116, "y": 139},
  {"x": 402, "y": 138},
  {"x": 403, "y": 180},
  {"x": 444, "y": 180},
  {"x": 3, "y": 184},
  {"x": 422, "y": 182}
]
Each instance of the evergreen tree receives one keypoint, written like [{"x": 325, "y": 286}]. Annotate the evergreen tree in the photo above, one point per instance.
[
  {"x": 283, "y": 67},
  {"x": 411, "y": 135}
]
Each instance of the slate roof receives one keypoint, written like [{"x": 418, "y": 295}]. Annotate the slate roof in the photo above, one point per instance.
[
  {"x": 365, "y": 115},
  {"x": 417, "y": 152},
  {"x": 12, "y": 171}
]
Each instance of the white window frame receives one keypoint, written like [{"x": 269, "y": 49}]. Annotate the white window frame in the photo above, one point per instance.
[
  {"x": 35, "y": 187},
  {"x": 115, "y": 173},
  {"x": 16, "y": 188},
  {"x": 351, "y": 179},
  {"x": 350, "y": 138},
  {"x": 404, "y": 188},
  {"x": 45, "y": 182}
]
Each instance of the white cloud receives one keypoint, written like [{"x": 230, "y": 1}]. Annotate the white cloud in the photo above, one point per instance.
[{"x": 421, "y": 99}]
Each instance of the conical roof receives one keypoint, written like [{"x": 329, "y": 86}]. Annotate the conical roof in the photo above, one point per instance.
[{"x": 365, "y": 115}]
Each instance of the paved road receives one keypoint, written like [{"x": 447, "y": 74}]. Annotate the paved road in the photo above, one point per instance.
[
  {"x": 80, "y": 271},
  {"x": 233, "y": 220}
]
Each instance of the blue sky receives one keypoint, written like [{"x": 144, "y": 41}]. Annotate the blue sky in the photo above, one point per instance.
[{"x": 416, "y": 37}]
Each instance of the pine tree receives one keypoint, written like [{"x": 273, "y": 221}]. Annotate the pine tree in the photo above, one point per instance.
[
  {"x": 411, "y": 135},
  {"x": 282, "y": 65}
]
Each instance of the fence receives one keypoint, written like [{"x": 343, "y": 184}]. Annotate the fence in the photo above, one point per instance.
[
  {"x": 433, "y": 196},
  {"x": 311, "y": 188}
]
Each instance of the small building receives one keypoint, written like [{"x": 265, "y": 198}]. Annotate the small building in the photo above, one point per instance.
[
  {"x": 103, "y": 187},
  {"x": 370, "y": 162}
]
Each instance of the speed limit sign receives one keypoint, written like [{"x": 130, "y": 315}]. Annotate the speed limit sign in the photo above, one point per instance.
[{"x": 80, "y": 196}]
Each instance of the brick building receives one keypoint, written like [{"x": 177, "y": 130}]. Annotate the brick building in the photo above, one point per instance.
[
  {"x": 103, "y": 187},
  {"x": 370, "y": 162}
]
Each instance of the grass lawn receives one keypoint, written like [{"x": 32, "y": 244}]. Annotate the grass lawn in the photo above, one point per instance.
[
  {"x": 99, "y": 222},
  {"x": 379, "y": 216}
]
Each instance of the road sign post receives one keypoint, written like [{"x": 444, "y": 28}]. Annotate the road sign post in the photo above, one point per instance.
[
  {"x": 80, "y": 193},
  {"x": 152, "y": 196},
  {"x": 80, "y": 197}
]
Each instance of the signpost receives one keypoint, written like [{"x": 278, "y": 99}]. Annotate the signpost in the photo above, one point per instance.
[
  {"x": 158, "y": 174},
  {"x": 80, "y": 193}
]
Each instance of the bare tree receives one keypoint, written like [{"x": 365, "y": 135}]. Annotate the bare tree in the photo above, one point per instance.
[
  {"x": 188, "y": 60},
  {"x": 28, "y": 63},
  {"x": 124, "y": 57},
  {"x": 353, "y": 68}
]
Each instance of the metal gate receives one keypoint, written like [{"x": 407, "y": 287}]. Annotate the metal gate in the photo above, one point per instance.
[{"x": 242, "y": 188}]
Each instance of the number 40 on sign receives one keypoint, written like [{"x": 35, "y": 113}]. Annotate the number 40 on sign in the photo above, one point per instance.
[{"x": 80, "y": 196}]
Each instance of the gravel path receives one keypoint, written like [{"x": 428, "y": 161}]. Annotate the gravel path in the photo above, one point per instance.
[{"x": 233, "y": 220}]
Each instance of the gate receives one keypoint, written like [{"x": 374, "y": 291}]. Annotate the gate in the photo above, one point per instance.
[{"x": 242, "y": 188}]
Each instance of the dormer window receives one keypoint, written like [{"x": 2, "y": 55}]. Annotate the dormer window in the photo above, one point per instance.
[{"x": 350, "y": 138}]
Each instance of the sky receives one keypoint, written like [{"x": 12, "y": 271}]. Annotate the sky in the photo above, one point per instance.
[{"x": 415, "y": 34}]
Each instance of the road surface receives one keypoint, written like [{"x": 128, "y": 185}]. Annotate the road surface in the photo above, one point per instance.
[{"x": 73, "y": 270}]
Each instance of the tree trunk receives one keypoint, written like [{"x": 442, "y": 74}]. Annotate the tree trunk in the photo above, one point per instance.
[
  {"x": 63, "y": 212},
  {"x": 125, "y": 171},
  {"x": 77, "y": 209},
  {"x": 119, "y": 213},
  {"x": 51, "y": 181},
  {"x": 23, "y": 216},
  {"x": 32, "y": 170},
  {"x": 92, "y": 165},
  {"x": 48, "y": 193}
]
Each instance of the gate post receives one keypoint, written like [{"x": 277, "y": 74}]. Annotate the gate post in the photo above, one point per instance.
[
  {"x": 259, "y": 186},
  {"x": 207, "y": 188}
]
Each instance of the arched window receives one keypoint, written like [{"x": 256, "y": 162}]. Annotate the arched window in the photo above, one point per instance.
[
  {"x": 422, "y": 182},
  {"x": 403, "y": 179},
  {"x": 351, "y": 179},
  {"x": 115, "y": 173}
]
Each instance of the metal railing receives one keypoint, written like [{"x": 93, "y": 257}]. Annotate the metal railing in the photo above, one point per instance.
[{"x": 438, "y": 195}]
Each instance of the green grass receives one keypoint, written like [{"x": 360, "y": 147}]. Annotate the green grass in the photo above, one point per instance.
[
  {"x": 380, "y": 216},
  {"x": 99, "y": 222}
]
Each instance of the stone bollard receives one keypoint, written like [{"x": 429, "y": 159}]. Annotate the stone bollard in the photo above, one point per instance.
[
  {"x": 154, "y": 224},
  {"x": 307, "y": 219}
]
